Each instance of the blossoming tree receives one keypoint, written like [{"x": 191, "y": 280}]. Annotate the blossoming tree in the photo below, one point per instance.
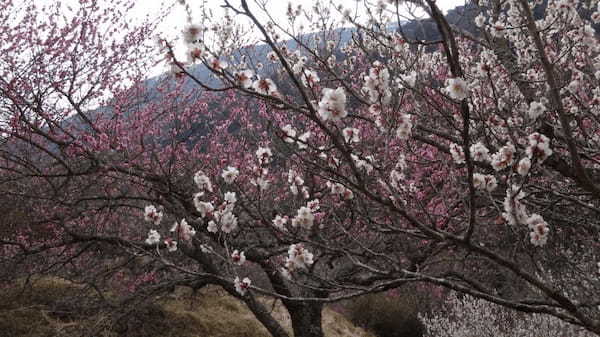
[
  {"x": 422, "y": 161},
  {"x": 347, "y": 161}
]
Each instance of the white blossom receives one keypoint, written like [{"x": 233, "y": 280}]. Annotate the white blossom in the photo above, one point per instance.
[
  {"x": 279, "y": 222},
  {"x": 536, "y": 109},
  {"x": 242, "y": 286},
  {"x": 204, "y": 208},
  {"x": 229, "y": 222},
  {"x": 539, "y": 147},
  {"x": 303, "y": 140},
  {"x": 410, "y": 78},
  {"x": 305, "y": 193},
  {"x": 238, "y": 257},
  {"x": 202, "y": 181},
  {"x": 351, "y": 135},
  {"x": 524, "y": 166},
  {"x": 479, "y": 152},
  {"x": 362, "y": 164},
  {"x": 265, "y": 86},
  {"x": 194, "y": 53},
  {"x": 333, "y": 104},
  {"x": 272, "y": 56},
  {"x": 396, "y": 178},
  {"x": 504, "y": 158},
  {"x": 153, "y": 237},
  {"x": 457, "y": 154},
  {"x": 314, "y": 205},
  {"x": 539, "y": 230},
  {"x": 230, "y": 174},
  {"x": 171, "y": 245},
  {"x": 183, "y": 230},
  {"x": 261, "y": 183},
  {"x": 289, "y": 132},
  {"x": 264, "y": 154},
  {"x": 298, "y": 66},
  {"x": 298, "y": 257},
  {"x": 377, "y": 84},
  {"x": 244, "y": 78},
  {"x": 404, "y": 127},
  {"x": 230, "y": 198},
  {"x": 151, "y": 214},
  {"x": 457, "y": 88},
  {"x": 480, "y": 20},
  {"x": 286, "y": 273},
  {"x": 341, "y": 190},
  {"x": 216, "y": 64},
  {"x": 304, "y": 218},
  {"x": 309, "y": 78},
  {"x": 212, "y": 227},
  {"x": 514, "y": 210},
  {"x": 484, "y": 182}
]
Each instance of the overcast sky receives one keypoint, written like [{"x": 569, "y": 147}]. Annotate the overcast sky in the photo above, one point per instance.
[
  {"x": 277, "y": 8},
  {"x": 176, "y": 19}
]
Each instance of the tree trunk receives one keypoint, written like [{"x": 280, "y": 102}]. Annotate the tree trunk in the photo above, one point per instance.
[{"x": 306, "y": 319}]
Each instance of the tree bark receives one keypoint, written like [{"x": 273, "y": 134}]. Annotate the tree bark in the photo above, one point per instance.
[{"x": 306, "y": 319}]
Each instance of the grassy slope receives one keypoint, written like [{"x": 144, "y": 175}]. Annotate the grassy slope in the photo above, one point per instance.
[{"x": 47, "y": 309}]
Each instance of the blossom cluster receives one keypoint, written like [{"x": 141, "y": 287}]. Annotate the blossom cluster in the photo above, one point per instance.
[
  {"x": 539, "y": 147},
  {"x": 223, "y": 216},
  {"x": 365, "y": 164},
  {"x": 377, "y": 84},
  {"x": 515, "y": 213},
  {"x": 183, "y": 230},
  {"x": 504, "y": 157},
  {"x": 298, "y": 258},
  {"x": 297, "y": 184},
  {"x": 458, "y": 156},
  {"x": 203, "y": 182},
  {"x": 539, "y": 230},
  {"x": 341, "y": 190},
  {"x": 514, "y": 210},
  {"x": 151, "y": 214},
  {"x": 290, "y": 136},
  {"x": 484, "y": 182},
  {"x": 260, "y": 180},
  {"x": 153, "y": 237},
  {"x": 230, "y": 174},
  {"x": 333, "y": 104},
  {"x": 238, "y": 257},
  {"x": 351, "y": 135},
  {"x": 308, "y": 77},
  {"x": 304, "y": 218},
  {"x": 397, "y": 175},
  {"x": 405, "y": 125},
  {"x": 242, "y": 286},
  {"x": 457, "y": 88},
  {"x": 279, "y": 222}
]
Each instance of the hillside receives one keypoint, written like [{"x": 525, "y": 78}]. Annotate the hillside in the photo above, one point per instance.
[{"x": 53, "y": 307}]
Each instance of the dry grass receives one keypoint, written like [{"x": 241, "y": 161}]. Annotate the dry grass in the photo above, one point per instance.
[
  {"x": 35, "y": 311},
  {"x": 46, "y": 309}
]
